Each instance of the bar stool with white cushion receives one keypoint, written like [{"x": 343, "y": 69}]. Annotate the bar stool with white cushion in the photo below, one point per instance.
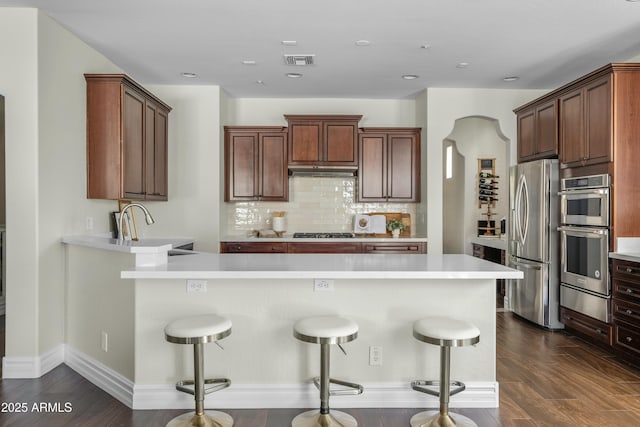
[
  {"x": 199, "y": 330},
  {"x": 327, "y": 330},
  {"x": 445, "y": 332}
]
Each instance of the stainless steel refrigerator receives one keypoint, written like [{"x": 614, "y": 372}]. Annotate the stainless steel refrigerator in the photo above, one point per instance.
[{"x": 534, "y": 242}]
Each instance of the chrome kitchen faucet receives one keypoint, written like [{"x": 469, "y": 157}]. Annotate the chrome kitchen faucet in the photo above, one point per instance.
[{"x": 147, "y": 217}]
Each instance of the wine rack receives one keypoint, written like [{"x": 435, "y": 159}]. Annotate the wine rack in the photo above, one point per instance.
[{"x": 487, "y": 196}]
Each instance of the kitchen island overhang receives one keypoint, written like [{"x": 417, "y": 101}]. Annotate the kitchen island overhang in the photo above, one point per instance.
[{"x": 268, "y": 367}]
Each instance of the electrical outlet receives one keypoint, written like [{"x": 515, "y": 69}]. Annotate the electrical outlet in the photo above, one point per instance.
[
  {"x": 88, "y": 222},
  {"x": 375, "y": 355},
  {"x": 323, "y": 285},
  {"x": 104, "y": 341},
  {"x": 194, "y": 285}
]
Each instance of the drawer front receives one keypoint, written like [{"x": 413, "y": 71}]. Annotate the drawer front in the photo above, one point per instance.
[
  {"x": 627, "y": 270},
  {"x": 325, "y": 248},
  {"x": 626, "y": 311},
  {"x": 596, "y": 331},
  {"x": 394, "y": 248},
  {"x": 626, "y": 289},
  {"x": 627, "y": 338},
  {"x": 252, "y": 248}
]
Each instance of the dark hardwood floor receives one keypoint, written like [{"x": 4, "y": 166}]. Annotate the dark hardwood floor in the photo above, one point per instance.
[{"x": 547, "y": 379}]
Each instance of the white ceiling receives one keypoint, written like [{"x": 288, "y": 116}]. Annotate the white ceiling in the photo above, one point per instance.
[{"x": 545, "y": 42}]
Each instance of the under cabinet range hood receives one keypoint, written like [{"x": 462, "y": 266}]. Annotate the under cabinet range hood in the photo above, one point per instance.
[{"x": 323, "y": 171}]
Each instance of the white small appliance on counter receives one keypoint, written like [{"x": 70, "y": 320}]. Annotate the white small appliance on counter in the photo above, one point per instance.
[{"x": 369, "y": 224}]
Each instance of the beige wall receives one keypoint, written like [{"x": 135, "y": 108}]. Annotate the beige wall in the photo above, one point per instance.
[
  {"x": 194, "y": 167},
  {"x": 45, "y": 146},
  {"x": 476, "y": 138},
  {"x": 444, "y": 107},
  {"x": 271, "y": 111},
  {"x": 18, "y": 84},
  {"x": 2, "y": 165}
]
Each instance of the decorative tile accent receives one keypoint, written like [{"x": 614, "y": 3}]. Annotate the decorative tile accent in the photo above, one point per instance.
[{"x": 315, "y": 204}]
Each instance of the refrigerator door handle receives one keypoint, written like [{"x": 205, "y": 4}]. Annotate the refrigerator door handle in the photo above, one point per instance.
[
  {"x": 522, "y": 210},
  {"x": 534, "y": 266}
]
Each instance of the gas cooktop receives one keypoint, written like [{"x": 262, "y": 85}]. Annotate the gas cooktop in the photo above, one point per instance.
[{"x": 322, "y": 235}]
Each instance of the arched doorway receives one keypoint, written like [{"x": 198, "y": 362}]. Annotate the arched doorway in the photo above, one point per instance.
[{"x": 471, "y": 138}]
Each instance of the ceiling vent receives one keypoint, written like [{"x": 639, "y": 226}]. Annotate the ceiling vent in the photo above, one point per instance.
[{"x": 299, "y": 59}]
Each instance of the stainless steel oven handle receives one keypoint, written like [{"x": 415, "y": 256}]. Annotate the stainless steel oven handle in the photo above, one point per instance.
[
  {"x": 586, "y": 191},
  {"x": 583, "y": 230}
]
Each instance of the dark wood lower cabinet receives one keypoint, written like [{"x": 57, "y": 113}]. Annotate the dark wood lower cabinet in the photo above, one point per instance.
[
  {"x": 324, "y": 247},
  {"x": 625, "y": 305},
  {"x": 394, "y": 248},
  {"x": 499, "y": 256},
  {"x": 591, "y": 329},
  {"x": 253, "y": 247}
]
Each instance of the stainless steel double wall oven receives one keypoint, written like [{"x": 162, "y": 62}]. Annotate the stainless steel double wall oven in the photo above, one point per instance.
[{"x": 584, "y": 245}]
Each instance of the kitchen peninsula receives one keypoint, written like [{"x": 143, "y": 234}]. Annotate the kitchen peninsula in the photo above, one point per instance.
[{"x": 116, "y": 312}]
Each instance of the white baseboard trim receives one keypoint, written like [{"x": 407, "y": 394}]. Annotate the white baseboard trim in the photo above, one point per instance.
[
  {"x": 478, "y": 394},
  {"x": 243, "y": 396},
  {"x": 100, "y": 375},
  {"x": 32, "y": 367}
]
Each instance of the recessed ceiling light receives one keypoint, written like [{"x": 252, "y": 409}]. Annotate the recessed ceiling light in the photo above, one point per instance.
[
  {"x": 510, "y": 78},
  {"x": 425, "y": 46},
  {"x": 462, "y": 65},
  {"x": 294, "y": 75},
  {"x": 189, "y": 75},
  {"x": 260, "y": 82},
  {"x": 289, "y": 43},
  {"x": 249, "y": 62},
  {"x": 363, "y": 42},
  {"x": 410, "y": 76}
]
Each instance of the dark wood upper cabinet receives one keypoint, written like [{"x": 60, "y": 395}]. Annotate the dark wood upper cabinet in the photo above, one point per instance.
[
  {"x": 256, "y": 163},
  {"x": 127, "y": 140},
  {"x": 389, "y": 165},
  {"x": 586, "y": 136},
  {"x": 323, "y": 140},
  {"x": 537, "y": 131}
]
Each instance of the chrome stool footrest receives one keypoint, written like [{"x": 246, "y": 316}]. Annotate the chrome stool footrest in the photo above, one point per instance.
[
  {"x": 352, "y": 388},
  {"x": 216, "y": 384},
  {"x": 422, "y": 386}
]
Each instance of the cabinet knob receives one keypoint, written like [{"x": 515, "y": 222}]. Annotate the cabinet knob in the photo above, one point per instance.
[
  {"x": 629, "y": 290},
  {"x": 629, "y": 339},
  {"x": 629, "y": 270},
  {"x": 629, "y": 312}
]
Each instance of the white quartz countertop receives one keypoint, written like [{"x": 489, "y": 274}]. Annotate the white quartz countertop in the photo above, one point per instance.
[
  {"x": 289, "y": 238},
  {"x": 335, "y": 266},
  {"x": 627, "y": 249},
  {"x": 142, "y": 246}
]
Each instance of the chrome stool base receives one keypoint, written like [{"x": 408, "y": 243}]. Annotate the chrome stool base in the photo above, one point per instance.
[
  {"x": 208, "y": 419},
  {"x": 315, "y": 419},
  {"x": 436, "y": 419}
]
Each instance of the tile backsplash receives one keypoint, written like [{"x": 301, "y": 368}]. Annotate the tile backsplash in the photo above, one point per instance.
[{"x": 315, "y": 204}]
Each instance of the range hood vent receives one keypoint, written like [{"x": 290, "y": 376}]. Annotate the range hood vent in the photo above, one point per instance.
[{"x": 323, "y": 171}]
